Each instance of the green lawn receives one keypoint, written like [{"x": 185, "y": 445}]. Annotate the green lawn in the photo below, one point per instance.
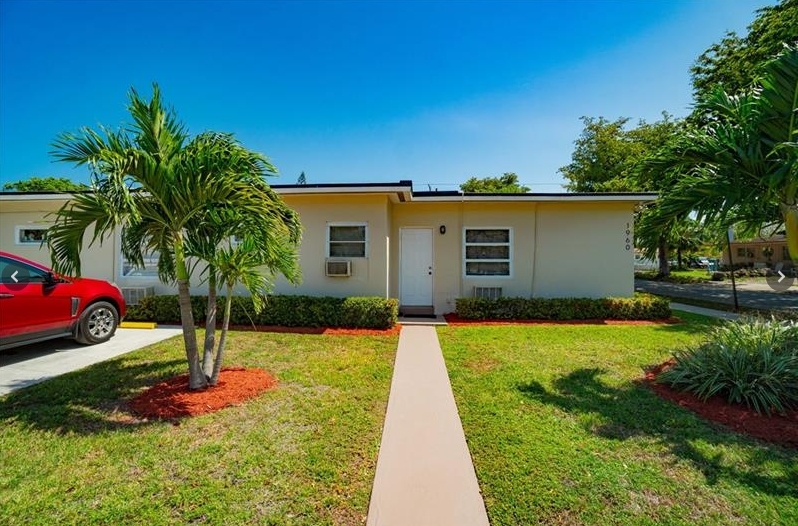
[
  {"x": 561, "y": 433},
  {"x": 303, "y": 453}
]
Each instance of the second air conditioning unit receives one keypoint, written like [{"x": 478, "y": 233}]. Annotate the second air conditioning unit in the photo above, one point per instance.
[
  {"x": 338, "y": 268},
  {"x": 134, "y": 295}
]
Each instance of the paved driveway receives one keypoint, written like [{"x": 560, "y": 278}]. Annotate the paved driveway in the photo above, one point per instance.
[
  {"x": 753, "y": 295},
  {"x": 31, "y": 364}
]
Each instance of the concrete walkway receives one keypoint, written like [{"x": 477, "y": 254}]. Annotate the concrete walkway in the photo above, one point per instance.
[
  {"x": 31, "y": 364},
  {"x": 424, "y": 471},
  {"x": 713, "y": 313}
]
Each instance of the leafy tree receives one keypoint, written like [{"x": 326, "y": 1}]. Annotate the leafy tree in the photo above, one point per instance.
[
  {"x": 603, "y": 157},
  {"x": 736, "y": 62},
  {"x": 607, "y": 154},
  {"x": 45, "y": 184},
  {"x": 504, "y": 184},
  {"x": 162, "y": 187},
  {"x": 607, "y": 158},
  {"x": 301, "y": 179},
  {"x": 739, "y": 168}
]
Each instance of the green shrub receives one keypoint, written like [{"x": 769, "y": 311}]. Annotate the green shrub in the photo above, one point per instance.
[
  {"x": 288, "y": 311},
  {"x": 750, "y": 361},
  {"x": 639, "y": 307},
  {"x": 653, "y": 275}
]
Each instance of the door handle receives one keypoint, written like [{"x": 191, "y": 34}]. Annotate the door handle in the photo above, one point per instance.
[{"x": 4, "y": 296}]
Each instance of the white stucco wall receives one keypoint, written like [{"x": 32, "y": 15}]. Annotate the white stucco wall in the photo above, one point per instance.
[
  {"x": 369, "y": 274},
  {"x": 584, "y": 250},
  {"x": 97, "y": 261}
]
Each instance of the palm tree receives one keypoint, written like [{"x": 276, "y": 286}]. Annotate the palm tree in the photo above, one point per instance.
[
  {"x": 739, "y": 168},
  {"x": 156, "y": 184},
  {"x": 251, "y": 262},
  {"x": 269, "y": 243}
]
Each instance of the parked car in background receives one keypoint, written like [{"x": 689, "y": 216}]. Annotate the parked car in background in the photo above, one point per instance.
[
  {"x": 699, "y": 262},
  {"x": 37, "y": 304},
  {"x": 642, "y": 263}
]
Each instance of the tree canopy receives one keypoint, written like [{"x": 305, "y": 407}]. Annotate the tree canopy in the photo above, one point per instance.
[
  {"x": 504, "y": 184},
  {"x": 607, "y": 154},
  {"x": 736, "y": 61},
  {"x": 45, "y": 184}
]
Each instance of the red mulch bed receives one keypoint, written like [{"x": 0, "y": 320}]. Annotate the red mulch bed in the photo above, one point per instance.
[
  {"x": 778, "y": 429},
  {"x": 455, "y": 320},
  {"x": 173, "y": 399}
]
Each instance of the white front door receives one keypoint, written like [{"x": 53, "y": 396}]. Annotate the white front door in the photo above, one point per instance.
[{"x": 416, "y": 267}]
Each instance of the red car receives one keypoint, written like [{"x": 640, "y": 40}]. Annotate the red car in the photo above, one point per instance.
[{"x": 36, "y": 304}]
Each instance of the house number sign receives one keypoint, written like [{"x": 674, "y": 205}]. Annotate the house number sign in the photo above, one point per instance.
[{"x": 628, "y": 233}]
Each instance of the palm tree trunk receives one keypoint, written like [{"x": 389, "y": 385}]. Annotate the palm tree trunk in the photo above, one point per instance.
[
  {"x": 217, "y": 365},
  {"x": 662, "y": 252},
  {"x": 791, "y": 226},
  {"x": 196, "y": 378},
  {"x": 210, "y": 325},
  {"x": 679, "y": 258}
]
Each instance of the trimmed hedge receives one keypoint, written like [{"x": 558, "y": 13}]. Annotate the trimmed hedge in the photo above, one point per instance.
[
  {"x": 639, "y": 307},
  {"x": 673, "y": 278},
  {"x": 288, "y": 311}
]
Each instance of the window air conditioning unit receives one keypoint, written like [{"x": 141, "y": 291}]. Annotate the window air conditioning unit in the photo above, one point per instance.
[
  {"x": 488, "y": 293},
  {"x": 134, "y": 295},
  {"x": 338, "y": 269}
]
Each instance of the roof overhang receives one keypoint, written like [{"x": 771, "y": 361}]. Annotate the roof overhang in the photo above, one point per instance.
[
  {"x": 397, "y": 192},
  {"x": 24, "y": 196},
  {"x": 625, "y": 197},
  {"x": 402, "y": 191}
]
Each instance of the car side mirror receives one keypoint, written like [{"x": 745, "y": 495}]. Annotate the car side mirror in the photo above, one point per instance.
[{"x": 49, "y": 280}]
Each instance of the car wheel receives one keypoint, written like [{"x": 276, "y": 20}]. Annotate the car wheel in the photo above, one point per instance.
[{"x": 97, "y": 323}]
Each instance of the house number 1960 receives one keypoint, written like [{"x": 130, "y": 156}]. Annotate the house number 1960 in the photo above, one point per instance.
[{"x": 628, "y": 234}]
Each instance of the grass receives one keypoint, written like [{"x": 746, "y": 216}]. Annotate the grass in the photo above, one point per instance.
[
  {"x": 561, "y": 432},
  {"x": 304, "y": 453}
]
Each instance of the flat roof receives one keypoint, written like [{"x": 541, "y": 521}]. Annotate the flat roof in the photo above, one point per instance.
[{"x": 402, "y": 191}]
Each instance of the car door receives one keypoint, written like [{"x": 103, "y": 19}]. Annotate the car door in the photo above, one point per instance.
[{"x": 31, "y": 305}]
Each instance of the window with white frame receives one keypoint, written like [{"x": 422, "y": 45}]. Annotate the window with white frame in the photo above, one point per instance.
[
  {"x": 347, "y": 240},
  {"x": 488, "y": 252},
  {"x": 30, "y": 234},
  {"x": 150, "y": 269}
]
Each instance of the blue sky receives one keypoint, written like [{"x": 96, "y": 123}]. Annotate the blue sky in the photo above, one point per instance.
[{"x": 375, "y": 91}]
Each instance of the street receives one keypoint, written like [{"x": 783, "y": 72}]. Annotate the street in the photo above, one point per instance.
[{"x": 752, "y": 294}]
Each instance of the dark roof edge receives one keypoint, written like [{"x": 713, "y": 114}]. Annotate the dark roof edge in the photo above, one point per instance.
[
  {"x": 555, "y": 194},
  {"x": 402, "y": 183}
]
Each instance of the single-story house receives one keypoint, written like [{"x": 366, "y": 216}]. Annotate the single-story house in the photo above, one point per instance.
[
  {"x": 759, "y": 252},
  {"x": 424, "y": 248}
]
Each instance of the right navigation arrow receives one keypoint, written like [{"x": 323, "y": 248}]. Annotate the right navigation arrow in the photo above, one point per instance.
[{"x": 782, "y": 276}]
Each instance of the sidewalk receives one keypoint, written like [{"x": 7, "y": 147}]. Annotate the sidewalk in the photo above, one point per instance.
[
  {"x": 704, "y": 311},
  {"x": 424, "y": 471}
]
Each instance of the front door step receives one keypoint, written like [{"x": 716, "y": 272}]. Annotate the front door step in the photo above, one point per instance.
[{"x": 420, "y": 311}]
